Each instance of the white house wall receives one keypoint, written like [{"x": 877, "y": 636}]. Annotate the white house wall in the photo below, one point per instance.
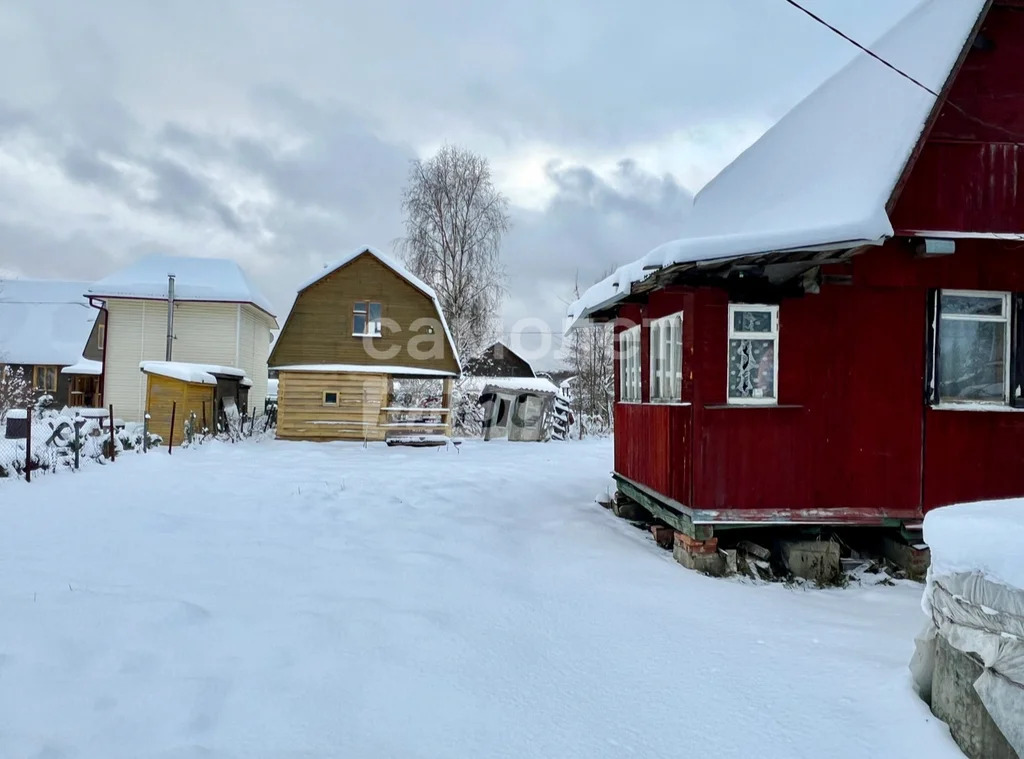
[
  {"x": 206, "y": 333},
  {"x": 253, "y": 351}
]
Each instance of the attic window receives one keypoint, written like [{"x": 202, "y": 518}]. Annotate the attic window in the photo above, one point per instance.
[
  {"x": 366, "y": 319},
  {"x": 753, "y": 354},
  {"x": 330, "y": 398}
]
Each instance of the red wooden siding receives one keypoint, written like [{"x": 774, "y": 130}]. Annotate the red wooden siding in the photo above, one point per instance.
[
  {"x": 971, "y": 456},
  {"x": 652, "y": 447},
  {"x": 969, "y": 175},
  {"x": 750, "y": 459},
  {"x": 964, "y": 187},
  {"x": 843, "y": 356},
  {"x": 850, "y": 435}
]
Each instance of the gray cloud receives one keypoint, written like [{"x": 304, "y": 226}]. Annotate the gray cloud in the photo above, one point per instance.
[{"x": 282, "y": 138}]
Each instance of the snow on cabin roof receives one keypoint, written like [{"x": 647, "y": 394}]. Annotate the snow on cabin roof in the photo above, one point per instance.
[
  {"x": 398, "y": 269},
  {"x": 84, "y": 366},
  {"x": 214, "y": 280},
  {"x": 200, "y": 374},
  {"x": 44, "y": 322},
  {"x": 822, "y": 176}
]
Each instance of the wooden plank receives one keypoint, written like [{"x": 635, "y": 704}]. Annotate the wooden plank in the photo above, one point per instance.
[{"x": 302, "y": 414}]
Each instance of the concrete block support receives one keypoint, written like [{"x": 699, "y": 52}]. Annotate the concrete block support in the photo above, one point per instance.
[{"x": 816, "y": 560}]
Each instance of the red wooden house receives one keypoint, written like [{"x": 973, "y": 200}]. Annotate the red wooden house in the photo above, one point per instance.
[{"x": 839, "y": 336}]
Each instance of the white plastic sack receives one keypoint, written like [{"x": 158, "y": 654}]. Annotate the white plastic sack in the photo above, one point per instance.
[{"x": 978, "y": 616}]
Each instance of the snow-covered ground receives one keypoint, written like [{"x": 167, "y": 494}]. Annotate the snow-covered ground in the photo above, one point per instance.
[{"x": 300, "y": 600}]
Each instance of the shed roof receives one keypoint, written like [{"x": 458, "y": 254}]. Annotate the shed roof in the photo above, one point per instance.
[
  {"x": 198, "y": 374},
  {"x": 538, "y": 385},
  {"x": 213, "y": 280},
  {"x": 822, "y": 176},
  {"x": 398, "y": 269},
  {"x": 44, "y": 322}
]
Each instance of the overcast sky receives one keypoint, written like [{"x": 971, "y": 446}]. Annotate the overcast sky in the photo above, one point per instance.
[{"x": 280, "y": 133}]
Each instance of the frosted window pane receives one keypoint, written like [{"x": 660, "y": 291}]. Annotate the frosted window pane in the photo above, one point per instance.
[
  {"x": 752, "y": 321},
  {"x": 751, "y": 368}
]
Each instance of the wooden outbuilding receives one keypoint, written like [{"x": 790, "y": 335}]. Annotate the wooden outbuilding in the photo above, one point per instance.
[
  {"x": 176, "y": 390},
  {"x": 358, "y": 331},
  {"x": 838, "y": 337},
  {"x": 517, "y": 404}
]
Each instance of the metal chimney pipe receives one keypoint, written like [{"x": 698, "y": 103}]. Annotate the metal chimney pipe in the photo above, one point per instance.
[{"x": 170, "y": 317}]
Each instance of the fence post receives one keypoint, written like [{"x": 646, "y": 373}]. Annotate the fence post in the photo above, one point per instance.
[
  {"x": 113, "y": 447},
  {"x": 145, "y": 432},
  {"x": 170, "y": 435},
  {"x": 28, "y": 444},
  {"x": 78, "y": 440}
]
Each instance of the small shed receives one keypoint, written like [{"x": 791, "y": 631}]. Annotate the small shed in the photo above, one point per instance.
[
  {"x": 177, "y": 390},
  {"x": 516, "y": 408}
]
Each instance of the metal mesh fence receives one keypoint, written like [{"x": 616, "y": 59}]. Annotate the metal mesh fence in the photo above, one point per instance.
[{"x": 38, "y": 442}]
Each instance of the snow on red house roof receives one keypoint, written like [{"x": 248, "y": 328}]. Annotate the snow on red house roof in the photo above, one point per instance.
[
  {"x": 214, "y": 280},
  {"x": 822, "y": 176},
  {"x": 44, "y": 322}
]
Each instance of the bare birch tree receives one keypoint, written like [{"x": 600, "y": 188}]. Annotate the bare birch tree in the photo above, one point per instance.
[
  {"x": 590, "y": 355},
  {"x": 454, "y": 223}
]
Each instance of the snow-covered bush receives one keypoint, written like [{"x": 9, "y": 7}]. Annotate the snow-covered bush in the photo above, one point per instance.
[
  {"x": 15, "y": 390},
  {"x": 467, "y": 411}
]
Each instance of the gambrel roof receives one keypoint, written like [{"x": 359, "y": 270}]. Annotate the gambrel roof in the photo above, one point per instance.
[
  {"x": 821, "y": 177},
  {"x": 398, "y": 269}
]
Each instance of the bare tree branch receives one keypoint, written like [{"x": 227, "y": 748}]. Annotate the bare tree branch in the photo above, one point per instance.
[{"x": 454, "y": 223}]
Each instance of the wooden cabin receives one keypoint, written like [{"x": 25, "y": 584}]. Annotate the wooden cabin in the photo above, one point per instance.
[
  {"x": 499, "y": 360},
  {"x": 359, "y": 328},
  {"x": 176, "y": 390},
  {"x": 838, "y": 337}
]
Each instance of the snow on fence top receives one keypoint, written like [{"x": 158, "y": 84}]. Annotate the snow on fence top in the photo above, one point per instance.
[
  {"x": 200, "y": 374},
  {"x": 44, "y": 322},
  {"x": 821, "y": 177},
  {"x": 398, "y": 269},
  {"x": 216, "y": 280},
  {"x": 985, "y": 537},
  {"x": 408, "y": 371}
]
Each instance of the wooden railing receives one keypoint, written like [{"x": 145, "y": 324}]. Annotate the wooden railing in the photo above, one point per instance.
[{"x": 416, "y": 420}]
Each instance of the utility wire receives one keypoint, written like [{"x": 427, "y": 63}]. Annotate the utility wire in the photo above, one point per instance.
[
  {"x": 1017, "y": 137},
  {"x": 866, "y": 49}
]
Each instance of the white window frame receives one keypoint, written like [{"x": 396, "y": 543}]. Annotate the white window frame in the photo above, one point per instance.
[
  {"x": 1005, "y": 318},
  {"x": 337, "y": 398},
  {"x": 367, "y": 308},
  {"x": 630, "y": 382},
  {"x": 666, "y": 382},
  {"x": 773, "y": 335}
]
